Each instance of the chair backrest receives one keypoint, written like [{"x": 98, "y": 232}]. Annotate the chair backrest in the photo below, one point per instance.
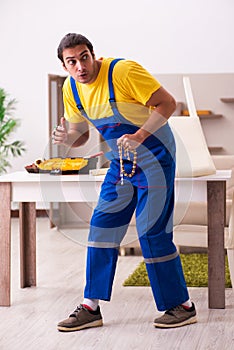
[
  {"x": 189, "y": 98},
  {"x": 192, "y": 155}
]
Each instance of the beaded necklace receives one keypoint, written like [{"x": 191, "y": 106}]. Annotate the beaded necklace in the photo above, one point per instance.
[{"x": 127, "y": 155}]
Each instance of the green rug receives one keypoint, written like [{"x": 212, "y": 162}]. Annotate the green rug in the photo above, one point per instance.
[{"x": 195, "y": 267}]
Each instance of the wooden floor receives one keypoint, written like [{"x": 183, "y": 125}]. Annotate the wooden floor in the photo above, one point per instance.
[{"x": 30, "y": 323}]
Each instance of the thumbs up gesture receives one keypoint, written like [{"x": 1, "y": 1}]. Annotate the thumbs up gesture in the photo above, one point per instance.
[{"x": 59, "y": 134}]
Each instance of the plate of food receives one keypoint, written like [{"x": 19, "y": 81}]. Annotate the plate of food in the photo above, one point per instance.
[{"x": 64, "y": 166}]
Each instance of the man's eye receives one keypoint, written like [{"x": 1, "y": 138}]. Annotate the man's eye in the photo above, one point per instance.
[
  {"x": 72, "y": 62},
  {"x": 85, "y": 57}
]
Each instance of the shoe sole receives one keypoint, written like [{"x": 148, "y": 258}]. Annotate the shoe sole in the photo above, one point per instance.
[
  {"x": 97, "y": 323},
  {"x": 174, "y": 325}
]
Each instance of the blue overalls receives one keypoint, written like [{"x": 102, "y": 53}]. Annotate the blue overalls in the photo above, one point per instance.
[{"x": 151, "y": 193}]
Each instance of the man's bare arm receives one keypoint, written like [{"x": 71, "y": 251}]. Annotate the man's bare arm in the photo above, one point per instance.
[{"x": 163, "y": 105}]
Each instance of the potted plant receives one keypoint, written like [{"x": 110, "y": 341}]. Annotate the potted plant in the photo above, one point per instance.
[{"x": 7, "y": 125}]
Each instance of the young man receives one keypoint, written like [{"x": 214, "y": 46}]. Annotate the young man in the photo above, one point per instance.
[{"x": 130, "y": 109}]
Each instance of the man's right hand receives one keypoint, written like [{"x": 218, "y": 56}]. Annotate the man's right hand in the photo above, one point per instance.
[{"x": 60, "y": 134}]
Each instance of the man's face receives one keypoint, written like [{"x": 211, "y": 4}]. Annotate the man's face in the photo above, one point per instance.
[{"x": 80, "y": 64}]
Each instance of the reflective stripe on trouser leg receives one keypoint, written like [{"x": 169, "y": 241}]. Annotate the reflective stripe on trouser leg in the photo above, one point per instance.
[
  {"x": 154, "y": 218},
  {"x": 167, "y": 281},
  {"x": 109, "y": 224},
  {"x": 155, "y": 234}
]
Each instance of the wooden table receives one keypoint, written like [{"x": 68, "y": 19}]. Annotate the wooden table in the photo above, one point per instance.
[{"x": 27, "y": 189}]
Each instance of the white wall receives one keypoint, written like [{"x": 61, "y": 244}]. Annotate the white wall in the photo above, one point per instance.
[{"x": 165, "y": 36}]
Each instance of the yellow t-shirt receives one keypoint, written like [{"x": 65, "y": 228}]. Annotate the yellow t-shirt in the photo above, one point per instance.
[{"x": 133, "y": 87}]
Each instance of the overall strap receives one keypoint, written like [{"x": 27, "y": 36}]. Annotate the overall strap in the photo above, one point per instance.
[
  {"x": 110, "y": 82},
  {"x": 77, "y": 97}
]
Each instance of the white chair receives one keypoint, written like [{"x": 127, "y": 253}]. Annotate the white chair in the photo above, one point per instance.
[{"x": 192, "y": 155}]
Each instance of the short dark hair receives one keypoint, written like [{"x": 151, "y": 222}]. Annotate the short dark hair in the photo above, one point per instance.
[{"x": 72, "y": 40}]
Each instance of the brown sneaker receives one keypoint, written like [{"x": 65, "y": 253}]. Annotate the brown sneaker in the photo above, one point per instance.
[
  {"x": 176, "y": 317},
  {"x": 81, "y": 318}
]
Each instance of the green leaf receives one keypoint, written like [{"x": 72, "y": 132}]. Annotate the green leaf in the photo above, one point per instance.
[
  {"x": 7, "y": 124},
  {"x": 2, "y": 107},
  {"x": 7, "y": 128}
]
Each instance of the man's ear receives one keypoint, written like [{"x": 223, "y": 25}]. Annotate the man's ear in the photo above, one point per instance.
[{"x": 64, "y": 67}]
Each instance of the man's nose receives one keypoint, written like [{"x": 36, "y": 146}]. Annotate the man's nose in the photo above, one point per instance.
[{"x": 79, "y": 65}]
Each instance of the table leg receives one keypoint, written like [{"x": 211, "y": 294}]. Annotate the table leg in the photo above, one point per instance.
[
  {"x": 5, "y": 243},
  {"x": 216, "y": 199},
  {"x": 27, "y": 244}
]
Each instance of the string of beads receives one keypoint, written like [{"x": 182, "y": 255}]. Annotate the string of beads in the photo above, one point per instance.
[{"x": 126, "y": 154}]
